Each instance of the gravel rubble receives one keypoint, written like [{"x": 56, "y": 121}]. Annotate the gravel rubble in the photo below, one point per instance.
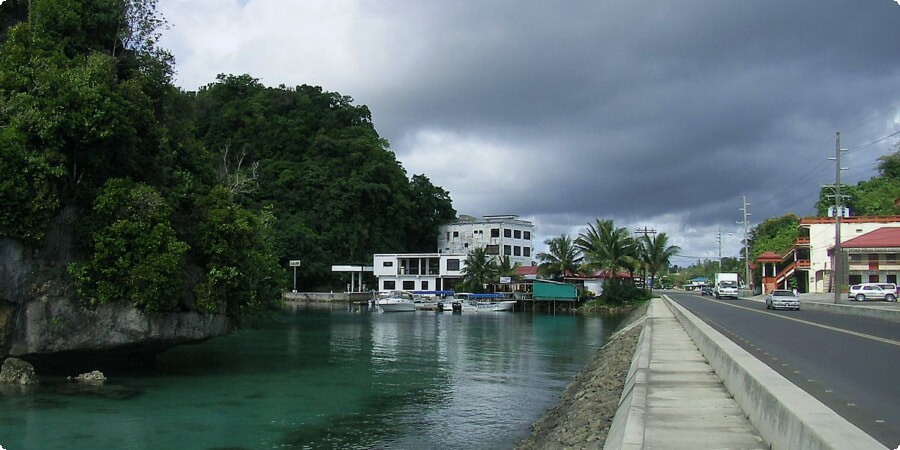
[{"x": 584, "y": 414}]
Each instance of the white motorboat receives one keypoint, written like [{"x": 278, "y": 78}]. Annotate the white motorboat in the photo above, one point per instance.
[
  {"x": 502, "y": 305},
  {"x": 479, "y": 303},
  {"x": 397, "y": 301}
]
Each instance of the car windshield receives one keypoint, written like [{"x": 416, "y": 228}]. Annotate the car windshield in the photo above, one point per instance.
[{"x": 783, "y": 294}]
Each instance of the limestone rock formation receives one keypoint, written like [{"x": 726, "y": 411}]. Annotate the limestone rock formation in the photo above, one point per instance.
[
  {"x": 16, "y": 371},
  {"x": 42, "y": 323}
]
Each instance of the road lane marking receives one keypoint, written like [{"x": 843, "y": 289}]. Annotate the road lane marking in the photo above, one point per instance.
[{"x": 827, "y": 327}]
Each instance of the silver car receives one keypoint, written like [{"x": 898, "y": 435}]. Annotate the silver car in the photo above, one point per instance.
[
  {"x": 873, "y": 291},
  {"x": 781, "y": 298}
]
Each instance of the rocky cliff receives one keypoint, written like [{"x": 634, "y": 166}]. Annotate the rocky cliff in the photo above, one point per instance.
[{"x": 41, "y": 322}]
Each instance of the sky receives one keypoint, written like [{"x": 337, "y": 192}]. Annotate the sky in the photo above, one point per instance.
[{"x": 658, "y": 114}]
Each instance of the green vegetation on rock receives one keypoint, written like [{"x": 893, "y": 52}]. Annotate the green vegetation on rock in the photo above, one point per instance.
[{"x": 187, "y": 200}]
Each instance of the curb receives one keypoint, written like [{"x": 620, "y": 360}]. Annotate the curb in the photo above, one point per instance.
[
  {"x": 627, "y": 428},
  {"x": 785, "y": 416}
]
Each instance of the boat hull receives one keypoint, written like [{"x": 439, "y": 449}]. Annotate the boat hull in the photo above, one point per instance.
[
  {"x": 508, "y": 305},
  {"x": 397, "y": 307}
]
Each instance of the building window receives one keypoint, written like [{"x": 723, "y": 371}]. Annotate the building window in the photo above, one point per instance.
[
  {"x": 387, "y": 264},
  {"x": 855, "y": 279},
  {"x": 448, "y": 235},
  {"x": 424, "y": 285},
  {"x": 495, "y": 232},
  {"x": 453, "y": 264},
  {"x": 517, "y": 234},
  {"x": 389, "y": 285},
  {"x": 507, "y": 250},
  {"x": 526, "y": 251},
  {"x": 409, "y": 285},
  {"x": 526, "y": 235},
  {"x": 492, "y": 249},
  {"x": 456, "y": 234},
  {"x": 890, "y": 258},
  {"x": 517, "y": 251},
  {"x": 466, "y": 245},
  {"x": 507, "y": 232}
]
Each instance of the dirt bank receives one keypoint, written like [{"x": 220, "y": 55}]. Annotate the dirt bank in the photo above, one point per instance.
[{"x": 586, "y": 407}]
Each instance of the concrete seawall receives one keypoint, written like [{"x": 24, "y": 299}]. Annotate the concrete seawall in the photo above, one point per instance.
[{"x": 785, "y": 416}]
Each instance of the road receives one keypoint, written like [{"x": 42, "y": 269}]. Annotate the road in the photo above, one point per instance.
[{"x": 851, "y": 364}]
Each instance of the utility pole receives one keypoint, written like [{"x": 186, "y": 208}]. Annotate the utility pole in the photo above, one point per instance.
[
  {"x": 719, "y": 240},
  {"x": 645, "y": 231},
  {"x": 746, "y": 223},
  {"x": 837, "y": 269}
]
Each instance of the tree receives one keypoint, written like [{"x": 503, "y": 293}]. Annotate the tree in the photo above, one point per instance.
[
  {"x": 480, "y": 270},
  {"x": 874, "y": 197},
  {"x": 776, "y": 235},
  {"x": 606, "y": 247},
  {"x": 562, "y": 258},
  {"x": 505, "y": 268},
  {"x": 136, "y": 256},
  {"x": 655, "y": 254}
]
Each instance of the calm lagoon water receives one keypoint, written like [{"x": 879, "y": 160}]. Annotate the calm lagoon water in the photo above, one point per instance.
[{"x": 325, "y": 377}]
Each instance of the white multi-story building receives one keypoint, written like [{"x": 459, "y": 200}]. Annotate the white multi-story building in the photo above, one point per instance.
[
  {"x": 502, "y": 235},
  {"x": 418, "y": 271}
]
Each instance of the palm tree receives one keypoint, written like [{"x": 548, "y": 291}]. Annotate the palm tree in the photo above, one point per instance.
[
  {"x": 562, "y": 258},
  {"x": 505, "y": 268},
  {"x": 480, "y": 270},
  {"x": 655, "y": 254},
  {"x": 606, "y": 247}
]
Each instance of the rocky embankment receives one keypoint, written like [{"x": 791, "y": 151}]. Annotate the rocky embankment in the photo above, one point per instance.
[
  {"x": 582, "y": 418},
  {"x": 41, "y": 323}
]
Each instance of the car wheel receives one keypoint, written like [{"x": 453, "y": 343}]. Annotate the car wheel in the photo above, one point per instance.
[
  {"x": 890, "y": 298},
  {"x": 860, "y": 297}
]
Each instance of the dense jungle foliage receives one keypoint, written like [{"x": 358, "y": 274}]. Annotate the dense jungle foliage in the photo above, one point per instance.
[{"x": 188, "y": 200}]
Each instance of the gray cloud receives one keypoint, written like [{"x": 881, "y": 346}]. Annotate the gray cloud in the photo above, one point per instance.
[{"x": 657, "y": 112}]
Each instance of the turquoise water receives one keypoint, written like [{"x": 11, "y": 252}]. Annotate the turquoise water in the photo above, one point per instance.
[{"x": 333, "y": 377}]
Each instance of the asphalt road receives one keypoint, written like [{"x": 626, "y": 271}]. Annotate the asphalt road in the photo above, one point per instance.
[{"x": 851, "y": 364}]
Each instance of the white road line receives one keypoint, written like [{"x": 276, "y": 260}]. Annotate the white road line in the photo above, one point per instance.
[{"x": 827, "y": 327}]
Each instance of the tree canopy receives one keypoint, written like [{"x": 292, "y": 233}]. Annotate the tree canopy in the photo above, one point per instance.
[{"x": 189, "y": 200}]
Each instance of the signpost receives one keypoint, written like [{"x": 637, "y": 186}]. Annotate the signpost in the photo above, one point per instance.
[{"x": 295, "y": 263}]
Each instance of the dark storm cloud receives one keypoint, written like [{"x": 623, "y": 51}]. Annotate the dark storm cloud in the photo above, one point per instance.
[
  {"x": 655, "y": 106},
  {"x": 641, "y": 111}
]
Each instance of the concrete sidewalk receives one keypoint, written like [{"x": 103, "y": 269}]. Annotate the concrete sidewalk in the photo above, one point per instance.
[{"x": 673, "y": 399}]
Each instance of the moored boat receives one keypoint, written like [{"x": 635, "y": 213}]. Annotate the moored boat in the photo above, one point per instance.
[
  {"x": 502, "y": 305},
  {"x": 479, "y": 303},
  {"x": 397, "y": 301}
]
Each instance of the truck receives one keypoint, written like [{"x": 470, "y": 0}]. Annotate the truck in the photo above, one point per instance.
[{"x": 726, "y": 285}]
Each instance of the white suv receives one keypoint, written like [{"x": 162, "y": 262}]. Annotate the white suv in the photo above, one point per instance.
[{"x": 873, "y": 291}]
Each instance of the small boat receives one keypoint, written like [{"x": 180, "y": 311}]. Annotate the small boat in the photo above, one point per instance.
[
  {"x": 479, "y": 303},
  {"x": 502, "y": 305},
  {"x": 397, "y": 301}
]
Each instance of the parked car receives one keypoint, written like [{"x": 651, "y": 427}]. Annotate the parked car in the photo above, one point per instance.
[
  {"x": 706, "y": 290},
  {"x": 873, "y": 291},
  {"x": 782, "y": 298}
]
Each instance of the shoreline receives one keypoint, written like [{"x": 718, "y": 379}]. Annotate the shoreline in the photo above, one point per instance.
[{"x": 583, "y": 415}]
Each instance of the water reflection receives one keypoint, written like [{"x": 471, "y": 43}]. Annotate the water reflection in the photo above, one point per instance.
[{"x": 327, "y": 376}]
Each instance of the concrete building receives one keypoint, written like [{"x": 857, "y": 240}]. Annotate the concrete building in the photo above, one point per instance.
[
  {"x": 811, "y": 259},
  {"x": 418, "y": 271},
  {"x": 501, "y": 235}
]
